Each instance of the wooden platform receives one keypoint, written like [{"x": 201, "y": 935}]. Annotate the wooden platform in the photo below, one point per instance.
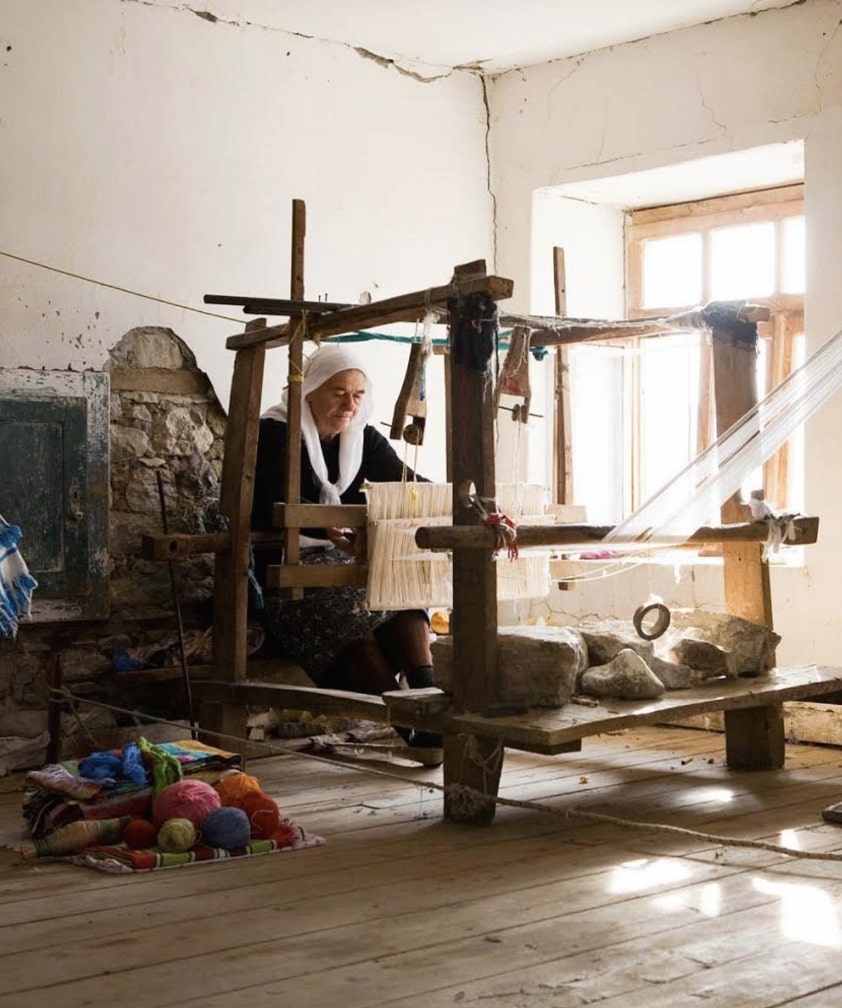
[
  {"x": 752, "y": 708},
  {"x": 551, "y": 730},
  {"x": 401, "y": 908}
]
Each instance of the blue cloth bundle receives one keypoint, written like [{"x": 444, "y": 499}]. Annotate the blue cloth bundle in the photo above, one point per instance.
[{"x": 16, "y": 583}]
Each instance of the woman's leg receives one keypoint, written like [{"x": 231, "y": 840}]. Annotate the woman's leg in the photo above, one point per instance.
[
  {"x": 405, "y": 640},
  {"x": 362, "y": 667}
]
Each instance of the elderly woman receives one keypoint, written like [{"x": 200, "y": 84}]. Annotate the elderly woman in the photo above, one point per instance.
[{"x": 329, "y": 632}]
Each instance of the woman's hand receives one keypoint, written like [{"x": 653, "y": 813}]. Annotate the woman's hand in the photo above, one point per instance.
[{"x": 343, "y": 539}]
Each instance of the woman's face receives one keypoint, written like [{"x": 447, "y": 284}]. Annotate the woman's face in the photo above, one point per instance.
[{"x": 334, "y": 403}]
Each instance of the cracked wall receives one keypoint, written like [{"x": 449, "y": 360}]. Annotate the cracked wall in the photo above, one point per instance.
[
  {"x": 157, "y": 147},
  {"x": 726, "y": 86}
]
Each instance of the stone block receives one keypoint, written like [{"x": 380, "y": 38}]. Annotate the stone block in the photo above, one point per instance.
[
  {"x": 626, "y": 677},
  {"x": 752, "y": 644},
  {"x": 605, "y": 639},
  {"x": 539, "y": 666}
]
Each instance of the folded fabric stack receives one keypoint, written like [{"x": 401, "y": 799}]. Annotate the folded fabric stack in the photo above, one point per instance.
[
  {"x": 111, "y": 810},
  {"x": 63, "y": 793}
]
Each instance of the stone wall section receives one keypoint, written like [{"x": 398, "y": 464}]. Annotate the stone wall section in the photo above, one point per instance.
[{"x": 165, "y": 418}]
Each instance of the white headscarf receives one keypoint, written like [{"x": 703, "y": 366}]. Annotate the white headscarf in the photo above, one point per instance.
[{"x": 327, "y": 361}]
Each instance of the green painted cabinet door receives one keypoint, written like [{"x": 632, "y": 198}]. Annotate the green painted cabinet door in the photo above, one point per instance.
[{"x": 54, "y": 485}]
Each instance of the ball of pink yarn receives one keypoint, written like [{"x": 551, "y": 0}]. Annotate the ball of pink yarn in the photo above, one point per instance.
[{"x": 185, "y": 799}]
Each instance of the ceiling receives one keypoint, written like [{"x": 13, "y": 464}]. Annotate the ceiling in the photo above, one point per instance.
[{"x": 494, "y": 35}]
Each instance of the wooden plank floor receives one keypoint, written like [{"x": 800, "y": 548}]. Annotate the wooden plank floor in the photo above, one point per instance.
[{"x": 537, "y": 910}]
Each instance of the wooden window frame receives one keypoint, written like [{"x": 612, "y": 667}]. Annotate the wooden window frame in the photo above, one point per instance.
[{"x": 787, "y": 321}]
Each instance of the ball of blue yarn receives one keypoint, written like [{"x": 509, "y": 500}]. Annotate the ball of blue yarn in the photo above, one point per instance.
[{"x": 226, "y": 827}]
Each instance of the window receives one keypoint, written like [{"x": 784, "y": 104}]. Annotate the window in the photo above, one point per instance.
[{"x": 748, "y": 246}]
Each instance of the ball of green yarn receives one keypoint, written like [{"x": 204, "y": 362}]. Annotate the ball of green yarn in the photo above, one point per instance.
[{"x": 176, "y": 836}]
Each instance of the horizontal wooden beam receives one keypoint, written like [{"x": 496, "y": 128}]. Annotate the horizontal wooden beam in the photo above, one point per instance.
[
  {"x": 274, "y": 306},
  {"x": 450, "y": 537},
  {"x": 549, "y": 330},
  {"x": 317, "y": 576},
  {"x": 178, "y": 545},
  {"x": 403, "y": 308},
  {"x": 307, "y": 698},
  {"x": 319, "y": 515},
  {"x": 549, "y": 730}
]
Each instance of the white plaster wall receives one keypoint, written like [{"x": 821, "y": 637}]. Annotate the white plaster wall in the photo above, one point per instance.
[
  {"x": 152, "y": 149},
  {"x": 729, "y": 85}
]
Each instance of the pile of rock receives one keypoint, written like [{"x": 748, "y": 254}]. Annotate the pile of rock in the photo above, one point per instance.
[{"x": 544, "y": 666}]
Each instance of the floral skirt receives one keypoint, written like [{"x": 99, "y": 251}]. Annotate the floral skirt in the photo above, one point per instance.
[{"x": 313, "y": 630}]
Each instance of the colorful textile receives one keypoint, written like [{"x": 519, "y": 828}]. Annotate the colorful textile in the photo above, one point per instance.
[
  {"x": 16, "y": 583},
  {"x": 166, "y": 767},
  {"x": 119, "y": 859},
  {"x": 48, "y": 807},
  {"x": 54, "y": 777}
]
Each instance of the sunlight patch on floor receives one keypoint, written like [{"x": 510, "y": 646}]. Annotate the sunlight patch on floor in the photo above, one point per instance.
[
  {"x": 647, "y": 873},
  {"x": 807, "y": 913}
]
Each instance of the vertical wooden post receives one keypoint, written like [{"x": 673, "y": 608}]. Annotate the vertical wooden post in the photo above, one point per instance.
[
  {"x": 747, "y": 589},
  {"x": 230, "y": 618},
  {"x": 563, "y": 454},
  {"x": 295, "y": 370},
  {"x": 472, "y": 762},
  {"x": 754, "y": 737},
  {"x": 54, "y": 709}
]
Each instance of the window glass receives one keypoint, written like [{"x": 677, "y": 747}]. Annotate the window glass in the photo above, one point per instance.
[
  {"x": 669, "y": 395},
  {"x": 742, "y": 261},
  {"x": 672, "y": 271}
]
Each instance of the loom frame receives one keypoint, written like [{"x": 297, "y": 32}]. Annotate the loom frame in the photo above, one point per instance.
[{"x": 474, "y": 737}]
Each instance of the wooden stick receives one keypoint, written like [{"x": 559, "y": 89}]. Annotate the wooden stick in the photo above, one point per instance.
[
  {"x": 413, "y": 367},
  {"x": 403, "y": 308},
  {"x": 178, "y": 545},
  {"x": 274, "y": 306},
  {"x": 747, "y": 586},
  {"x": 301, "y": 576},
  {"x": 292, "y": 490},
  {"x": 477, "y": 537},
  {"x": 237, "y": 485},
  {"x": 563, "y": 455},
  {"x": 54, "y": 706}
]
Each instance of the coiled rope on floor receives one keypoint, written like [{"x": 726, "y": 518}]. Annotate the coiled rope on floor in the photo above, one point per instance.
[{"x": 468, "y": 797}]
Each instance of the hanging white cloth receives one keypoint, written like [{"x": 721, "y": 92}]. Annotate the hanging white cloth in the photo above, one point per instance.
[{"x": 327, "y": 361}]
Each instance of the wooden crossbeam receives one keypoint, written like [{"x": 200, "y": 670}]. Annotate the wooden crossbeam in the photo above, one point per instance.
[
  {"x": 274, "y": 306},
  {"x": 316, "y": 575},
  {"x": 178, "y": 545},
  {"x": 403, "y": 308},
  {"x": 450, "y": 537}
]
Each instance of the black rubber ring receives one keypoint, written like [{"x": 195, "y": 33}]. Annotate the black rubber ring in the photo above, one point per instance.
[{"x": 661, "y": 624}]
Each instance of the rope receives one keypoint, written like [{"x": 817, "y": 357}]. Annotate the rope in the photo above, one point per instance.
[
  {"x": 504, "y": 528},
  {"x": 477, "y": 799},
  {"x": 121, "y": 290}
]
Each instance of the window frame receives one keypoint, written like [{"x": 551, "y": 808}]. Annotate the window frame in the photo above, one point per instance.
[{"x": 787, "y": 310}]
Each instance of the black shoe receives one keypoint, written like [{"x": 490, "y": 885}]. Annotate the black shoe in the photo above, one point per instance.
[
  {"x": 421, "y": 747},
  {"x": 424, "y": 747},
  {"x": 424, "y": 740}
]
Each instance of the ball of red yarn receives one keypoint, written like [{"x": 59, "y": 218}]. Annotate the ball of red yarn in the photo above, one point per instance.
[
  {"x": 264, "y": 814},
  {"x": 233, "y": 787},
  {"x": 140, "y": 834},
  {"x": 185, "y": 799}
]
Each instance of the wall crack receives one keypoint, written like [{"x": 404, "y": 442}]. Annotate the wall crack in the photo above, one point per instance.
[
  {"x": 491, "y": 193},
  {"x": 391, "y": 64}
]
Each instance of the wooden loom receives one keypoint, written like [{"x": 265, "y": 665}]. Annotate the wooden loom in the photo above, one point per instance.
[{"x": 473, "y": 736}]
